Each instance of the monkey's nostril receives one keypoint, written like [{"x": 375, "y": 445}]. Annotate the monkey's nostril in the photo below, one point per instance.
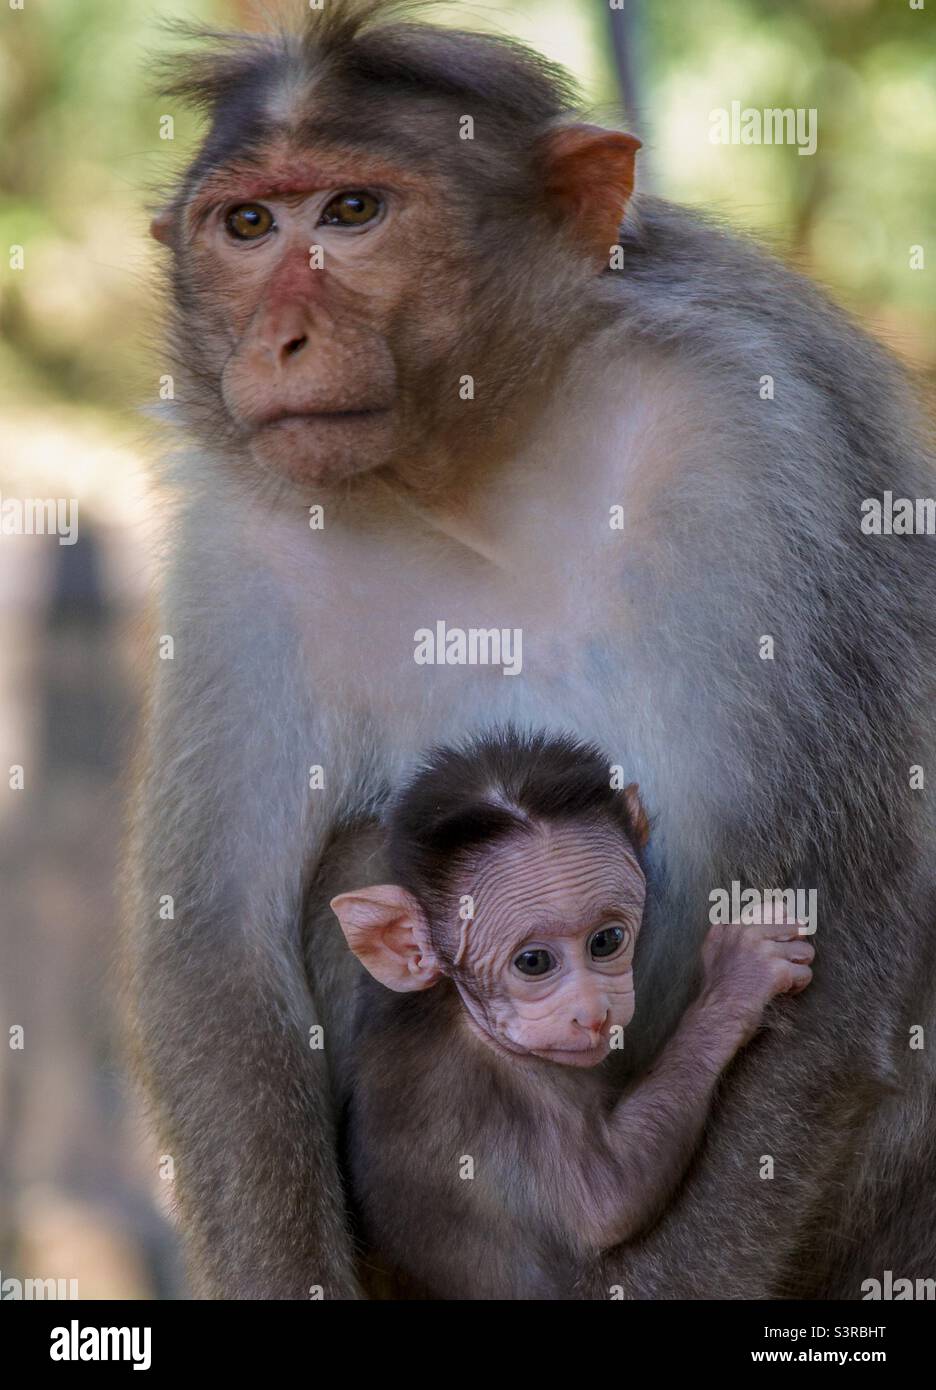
[
  {"x": 593, "y": 1025},
  {"x": 295, "y": 345}
]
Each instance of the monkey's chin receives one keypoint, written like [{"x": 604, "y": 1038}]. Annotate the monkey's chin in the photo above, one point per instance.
[
  {"x": 324, "y": 448},
  {"x": 591, "y": 1057}
]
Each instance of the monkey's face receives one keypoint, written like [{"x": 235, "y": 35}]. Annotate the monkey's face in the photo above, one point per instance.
[
  {"x": 366, "y": 275},
  {"x": 357, "y": 287},
  {"x": 328, "y": 293},
  {"x": 548, "y": 962}
]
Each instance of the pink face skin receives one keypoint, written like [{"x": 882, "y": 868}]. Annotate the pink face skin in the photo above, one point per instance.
[
  {"x": 544, "y": 966},
  {"x": 547, "y": 964}
]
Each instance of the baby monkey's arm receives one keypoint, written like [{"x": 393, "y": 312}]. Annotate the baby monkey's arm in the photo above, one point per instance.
[{"x": 653, "y": 1131}]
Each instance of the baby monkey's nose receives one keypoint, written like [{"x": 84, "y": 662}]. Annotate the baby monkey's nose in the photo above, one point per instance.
[{"x": 593, "y": 1022}]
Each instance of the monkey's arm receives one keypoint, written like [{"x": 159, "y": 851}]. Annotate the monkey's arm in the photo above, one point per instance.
[
  {"x": 222, "y": 1019},
  {"x": 652, "y": 1133},
  {"x": 221, "y": 1005},
  {"x": 758, "y": 1214}
]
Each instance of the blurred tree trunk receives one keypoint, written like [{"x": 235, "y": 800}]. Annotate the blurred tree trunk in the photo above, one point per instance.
[{"x": 626, "y": 24}]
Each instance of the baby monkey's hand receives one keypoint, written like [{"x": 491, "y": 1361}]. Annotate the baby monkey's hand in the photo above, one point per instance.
[{"x": 744, "y": 966}]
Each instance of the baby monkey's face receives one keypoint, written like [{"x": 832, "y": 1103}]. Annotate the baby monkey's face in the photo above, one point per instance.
[
  {"x": 547, "y": 964},
  {"x": 542, "y": 952}
]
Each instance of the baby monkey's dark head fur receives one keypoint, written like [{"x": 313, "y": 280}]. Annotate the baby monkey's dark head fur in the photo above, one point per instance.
[
  {"x": 518, "y": 874},
  {"x": 382, "y": 211},
  {"x": 466, "y": 799}
]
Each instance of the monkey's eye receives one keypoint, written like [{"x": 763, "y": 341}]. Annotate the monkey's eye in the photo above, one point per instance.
[
  {"x": 607, "y": 941},
  {"x": 248, "y": 221},
  {"x": 534, "y": 962},
  {"x": 350, "y": 210}
]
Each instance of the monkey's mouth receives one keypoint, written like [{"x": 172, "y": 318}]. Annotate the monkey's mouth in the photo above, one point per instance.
[
  {"x": 322, "y": 446},
  {"x": 306, "y": 417}
]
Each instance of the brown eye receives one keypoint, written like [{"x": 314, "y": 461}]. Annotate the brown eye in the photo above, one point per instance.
[
  {"x": 350, "y": 210},
  {"x": 249, "y": 221},
  {"x": 606, "y": 942},
  {"x": 535, "y": 962}
]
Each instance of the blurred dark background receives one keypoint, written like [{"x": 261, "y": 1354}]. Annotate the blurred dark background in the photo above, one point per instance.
[{"x": 81, "y": 155}]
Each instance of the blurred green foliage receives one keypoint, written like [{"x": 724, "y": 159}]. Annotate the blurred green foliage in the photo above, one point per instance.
[
  {"x": 81, "y": 156},
  {"x": 80, "y": 161}
]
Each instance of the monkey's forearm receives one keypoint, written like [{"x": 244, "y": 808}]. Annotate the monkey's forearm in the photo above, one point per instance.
[
  {"x": 653, "y": 1132},
  {"x": 222, "y": 1009},
  {"x": 240, "y": 1101},
  {"x": 222, "y": 1042},
  {"x": 788, "y": 1097}
]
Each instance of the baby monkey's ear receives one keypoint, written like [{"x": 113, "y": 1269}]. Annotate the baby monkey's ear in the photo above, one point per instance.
[
  {"x": 387, "y": 931},
  {"x": 638, "y": 815}
]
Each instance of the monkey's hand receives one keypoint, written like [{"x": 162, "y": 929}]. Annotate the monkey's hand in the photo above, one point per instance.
[
  {"x": 656, "y": 1127},
  {"x": 745, "y": 966}
]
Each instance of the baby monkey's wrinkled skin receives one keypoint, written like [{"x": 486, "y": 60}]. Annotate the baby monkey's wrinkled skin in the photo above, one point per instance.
[{"x": 536, "y": 971}]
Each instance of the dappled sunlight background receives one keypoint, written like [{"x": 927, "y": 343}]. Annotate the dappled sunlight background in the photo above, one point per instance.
[{"x": 81, "y": 162}]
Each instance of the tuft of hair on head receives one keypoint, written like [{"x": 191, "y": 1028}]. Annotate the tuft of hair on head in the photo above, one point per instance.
[
  {"x": 467, "y": 797},
  {"x": 385, "y": 44},
  {"x": 388, "y": 42}
]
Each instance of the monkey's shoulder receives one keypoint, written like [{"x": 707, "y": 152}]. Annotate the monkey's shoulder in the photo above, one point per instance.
[{"x": 684, "y": 266}]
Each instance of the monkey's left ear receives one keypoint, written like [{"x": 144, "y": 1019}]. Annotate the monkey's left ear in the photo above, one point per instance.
[
  {"x": 386, "y": 930},
  {"x": 588, "y": 179},
  {"x": 639, "y": 819}
]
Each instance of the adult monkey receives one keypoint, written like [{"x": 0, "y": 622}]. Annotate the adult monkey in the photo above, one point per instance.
[{"x": 469, "y": 391}]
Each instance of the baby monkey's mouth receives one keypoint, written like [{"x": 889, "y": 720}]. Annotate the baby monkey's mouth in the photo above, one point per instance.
[
  {"x": 286, "y": 416},
  {"x": 576, "y": 1056}
]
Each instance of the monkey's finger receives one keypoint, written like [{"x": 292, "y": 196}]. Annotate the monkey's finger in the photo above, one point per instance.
[
  {"x": 797, "y": 950},
  {"x": 800, "y": 976}
]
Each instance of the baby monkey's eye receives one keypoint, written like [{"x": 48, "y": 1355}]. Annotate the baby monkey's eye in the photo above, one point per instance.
[
  {"x": 607, "y": 941},
  {"x": 535, "y": 962},
  {"x": 350, "y": 210},
  {"x": 248, "y": 221}
]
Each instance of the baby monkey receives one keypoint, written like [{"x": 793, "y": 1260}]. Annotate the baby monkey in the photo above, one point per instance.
[{"x": 489, "y": 1154}]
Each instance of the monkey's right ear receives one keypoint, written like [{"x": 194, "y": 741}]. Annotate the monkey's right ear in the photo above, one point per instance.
[
  {"x": 161, "y": 226},
  {"x": 387, "y": 931},
  {"x": 588, "y": 180}
]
